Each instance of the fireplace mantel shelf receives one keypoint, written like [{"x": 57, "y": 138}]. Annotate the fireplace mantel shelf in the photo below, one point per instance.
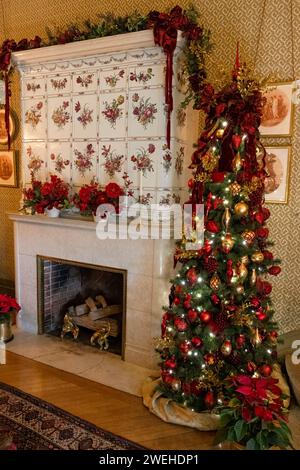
[{"x": 57, "y": 222}]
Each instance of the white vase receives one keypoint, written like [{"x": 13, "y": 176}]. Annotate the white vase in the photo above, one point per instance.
[{"x": 54, "y": 212}]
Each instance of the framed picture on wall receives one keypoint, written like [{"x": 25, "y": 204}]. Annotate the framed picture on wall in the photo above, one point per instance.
[
  {"x": 277, "y": 116},
  {"x": 13, "y": 126},
  {"x": 278, "y": 160},
  {"x": 8, "y": 168}
]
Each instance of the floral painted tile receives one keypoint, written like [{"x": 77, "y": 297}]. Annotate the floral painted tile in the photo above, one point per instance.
[
  {"x": 142, "y": 163},
  {"x": 112, "y": 79},
  {"x": 85, "y": 116},
  {"x": 179, "y": 118},
  {"x": 146, "y": 115},
  {"x": 85, "y": 81},
  {"x": 59, "y": 117},
  {"x": 58, "y": 84},
  {"x": 34, "y": 161},
  {"x": 34, "y": 119},
  {"x": 34, "y": 86},
  {"x": 112, "y": 162},
  {"x": 59, "y": 159},
  {"x": 112, "y": 118},
  {"x": 146, "y": 75},
  {"x": 84, "y": 162}
]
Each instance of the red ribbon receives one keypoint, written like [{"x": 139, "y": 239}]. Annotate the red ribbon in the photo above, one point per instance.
[
  {"x": 166, "y": 37},
  {"x": 7, "y": 96}
]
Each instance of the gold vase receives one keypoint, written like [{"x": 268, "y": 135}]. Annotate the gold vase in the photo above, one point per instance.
[{"x": 6, "y": 334}]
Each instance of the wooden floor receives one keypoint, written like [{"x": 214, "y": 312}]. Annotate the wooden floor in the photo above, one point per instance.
[{"x": 110, "y": 409}]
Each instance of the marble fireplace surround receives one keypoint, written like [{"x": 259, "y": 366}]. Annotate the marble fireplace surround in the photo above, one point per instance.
[{"x": 149, "y": 268}]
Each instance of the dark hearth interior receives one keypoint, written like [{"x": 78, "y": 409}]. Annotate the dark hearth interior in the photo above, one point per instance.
[{"x": 64, "y": 288}]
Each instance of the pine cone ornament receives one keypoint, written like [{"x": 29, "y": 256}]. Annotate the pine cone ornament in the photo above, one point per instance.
[
  {"x": 210, "y": 264},
  {"x": 221, "y": 321},
  {"x": 234, "y": 358}
]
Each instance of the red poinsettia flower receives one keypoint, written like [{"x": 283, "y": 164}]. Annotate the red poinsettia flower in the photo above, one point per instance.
[
  {"x": 113, "y": 190},
  {"x": 8, "y": 303}
]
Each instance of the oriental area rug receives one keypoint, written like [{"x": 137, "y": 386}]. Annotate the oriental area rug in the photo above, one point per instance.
[{"x": 28, "y": 423}]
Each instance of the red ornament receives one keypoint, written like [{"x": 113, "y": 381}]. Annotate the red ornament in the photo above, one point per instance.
[
  {"x": 209, "y": 399},
  {"x": 187, "y": 304},
  {"x": 212, "y": 226},
  {"x": 185, "y": 347},
  {"x": 215, "y": 299},
  {"x": 197, "y": 342},
  {"x": 265, "y": 370},
  {"x": 170, "y": 364},
  {"x": 188, "y": 297},
  {"x": 236, "y": 141},
  {"x": 178, "y": 289},
  {"x": 167, "y": 378},
  {"x": 191, "y": 183},
  {"x": 240, "y": 340},
  {"x": 192, "y": 315},
  {"x": 210, "y": 359},
  {"x": 218, "y": 176},
  {"x": 180, "y": 325},
  {"x": 261, "y": 316},
  {"x": 251, "y": 367},
  {"x": 262, "y": 232},
  {"x": 264, "y": 287},
  {"x": 255, "y": 302},
  {"x": 274, "y": 270},
  {"x": 229, "y": 270},
  {"x": 205, "y": 316},
  {"x": 192, "y": 276},
  {"x": 207, "y": 248},
  {"x": 266, "y": 213},
  {"x": 273, "y": 335},
  {"x": 267, "y": 254},
  {"x": 259, "y": 217},
  {"x": 176, "y": 301}
]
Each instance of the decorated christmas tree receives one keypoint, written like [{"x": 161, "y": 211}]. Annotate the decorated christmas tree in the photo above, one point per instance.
[{"x": 219, "y": 323}]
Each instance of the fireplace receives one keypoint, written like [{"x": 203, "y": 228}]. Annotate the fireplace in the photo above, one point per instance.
[{"x": 82, "y": 301}]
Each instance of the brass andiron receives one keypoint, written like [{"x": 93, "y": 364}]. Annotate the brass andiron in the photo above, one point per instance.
[
  {"x": 101, "y": 337},
  {"x": 69, "y": 327}
]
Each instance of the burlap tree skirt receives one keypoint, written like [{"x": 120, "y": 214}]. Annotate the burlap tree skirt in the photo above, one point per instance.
[{"x": 172, "y": 412}]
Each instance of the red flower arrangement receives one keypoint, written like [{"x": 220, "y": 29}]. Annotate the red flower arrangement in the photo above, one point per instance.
[
  {"x": 90, "y": 196},
  {"x": 47, "y": 195},
  {"x": 254, "y": 415},
  {"x": 7, "y": 305}
]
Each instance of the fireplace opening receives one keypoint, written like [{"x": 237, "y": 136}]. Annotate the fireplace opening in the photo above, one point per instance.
[{"x": 82, "y": 302}]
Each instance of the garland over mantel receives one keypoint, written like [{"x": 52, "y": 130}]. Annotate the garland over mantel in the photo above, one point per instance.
[{"x": 165, "y": 30}]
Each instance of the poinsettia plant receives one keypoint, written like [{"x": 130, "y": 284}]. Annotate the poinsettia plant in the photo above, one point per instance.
[
  {"x": 91, "y": 196},
  {"x": 41, "y": 196},
  {"x": 7, "y": 305},
  {"x": 253, "y": 414}
]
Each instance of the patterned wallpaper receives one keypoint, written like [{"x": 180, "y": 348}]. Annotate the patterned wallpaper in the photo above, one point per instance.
[{"x": 265, "y": 29}]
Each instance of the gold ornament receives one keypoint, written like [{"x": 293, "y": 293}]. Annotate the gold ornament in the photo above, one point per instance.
[
  {"x": 241, "y": 209},
  {"x": 166, "y": 342},
  {"x": 245, "y": 260},
  {"x": 256, "y": 337},
  {"x": 243, "y": 272},
  {"x": 227, "y": 243},
  {"x": 257, "y": 257},
  {"x": 215, "y": 282},
  {"x": 240, "y": 289},
  {"x": 210, "y": 161},
  {"x": 220, "y": 133},
  {"x": 253, "y": 277},
  {"x": 176, "y": 385},
  {"x": 226, "y": 219},
  {"x": 249, "y": 236},
  {"x": 235, "y": 188},
  {"x": 237, "y": 163},
  {"x": 226, "y": 348}
]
